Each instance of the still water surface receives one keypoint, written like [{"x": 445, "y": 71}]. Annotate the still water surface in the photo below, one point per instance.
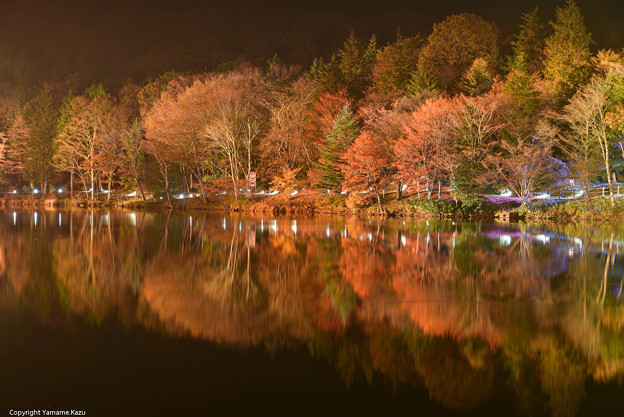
[{"x": 132, "y": 313}]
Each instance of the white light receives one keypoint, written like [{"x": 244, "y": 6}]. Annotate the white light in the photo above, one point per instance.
[
  {"x": 327, "y": 231},
  {"x": 505, "y": 240},
  {"x": 161, "y": 198},
  {"x": 191, "y": 221},
  {"x": 14, "y": 218},
  {"x": 133, "y": 218},
  {"x": 60, "y": 220},
  {"x": 14, "y": 191},
  {"x": 132, "y": 194},
  {"x": 506, "y": 193},
  {"x": 36, "y": 191},
  {"x": 181, "y": 197},
  {"x": 224, "y": 224},
  {"x": 294, "y": 226},
  {"x": 60, "y": 190},
  {"x": 403, "y": 240},
  {"x": 542, "y": 239},
  {"x": 35, "y": 218}
]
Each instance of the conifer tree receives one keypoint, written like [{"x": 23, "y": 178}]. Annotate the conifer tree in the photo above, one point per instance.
[
  {"x": 567, "y": 54},
  {"x": 40, "y": 115},
  {"x": 528, "y": 45},
  {"x": 395, "y": 63},
  {"x": 345, "y": 130}
]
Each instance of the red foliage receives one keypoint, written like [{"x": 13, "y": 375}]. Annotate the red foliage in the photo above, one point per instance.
[{"x": 421, "y": 154}]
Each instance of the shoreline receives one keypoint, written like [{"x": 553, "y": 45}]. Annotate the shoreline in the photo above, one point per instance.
[{"x": 482, "y": 210}]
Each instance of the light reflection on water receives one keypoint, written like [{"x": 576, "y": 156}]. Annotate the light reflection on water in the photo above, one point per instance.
[{"x": 457, "y": 308}]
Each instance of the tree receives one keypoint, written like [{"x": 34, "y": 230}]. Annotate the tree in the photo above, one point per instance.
[
  {"x": 287, "y": 145},
  {"x": 80, "y": 141},
  {"x": 523, "y": 166},
  {"x": 367, "y": 167},
  {"x": 236, "y": 122},
  {"x": 175, "y": 124},
  {"x": 455, "y": 43},
  {"x": 356, "y": 64},
  {"x": 566, "y": 64},
  {"x": 395, "y": 63},
  {"x": 477, "y": 124},
  {"x": 132, "y": 156},
  {"x": 528, "y": 45},
  {"x": 424, "y": 153},
  {"x": 345, "y": 130},
  {"x": 586, "y": 119},
  {"x": 14, "y": 147},
  {"x": 40, "y": 116},
  {"x": 477, "y": 80}
]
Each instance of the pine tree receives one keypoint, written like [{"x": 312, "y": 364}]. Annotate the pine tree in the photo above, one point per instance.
[
  {"x": 40, "y": 115},
  {"x": 477, "y": 80},
  {"x": 528, "y": 45},
  {"x": 395, "y": 63},
  {"x": 567, "y": 54},
  {"x": 356, "y": 64},
  {"x": 345, "y": 130}
]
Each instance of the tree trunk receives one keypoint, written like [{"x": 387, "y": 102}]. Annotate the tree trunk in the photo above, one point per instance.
[
  {"x": 589, "y": 199},
  {"x": 92, "y": 184},
  {"x": 439, "y": 189},
  {"x": 138, "y": 183},
  {"x": 609, "y": 179},
  {"x": 399, "y": 190},
  {"x": 381, "y": 207},
  {"x": 71, "y": 184},
  {"x": 110, "y": 180},
  {"x": 201, "y": 183}
]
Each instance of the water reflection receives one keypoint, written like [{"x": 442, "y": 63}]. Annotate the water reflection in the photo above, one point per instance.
[{"x": 461, "y": 308}]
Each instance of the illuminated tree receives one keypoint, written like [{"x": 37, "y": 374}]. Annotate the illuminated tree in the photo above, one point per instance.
[
  {"x": 566, "y": 64},
  {"x": 528, "y": 44},
  {"x": 424, "y": 153},
  {"x": 367, "y": 167},
  {"x": 79, "y": 142},
  {"x": 455, "y": 43},
  {"x": 345, "y": 130}
]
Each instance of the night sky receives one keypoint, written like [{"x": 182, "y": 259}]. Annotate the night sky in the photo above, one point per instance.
[{"x": 114, "y": 38}]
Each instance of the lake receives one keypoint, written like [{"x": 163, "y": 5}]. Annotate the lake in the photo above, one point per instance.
[{"x": 136, "y": 313}]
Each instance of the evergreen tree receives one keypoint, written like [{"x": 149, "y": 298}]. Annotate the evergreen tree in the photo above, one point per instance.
[
  {"x": 41, "y": 117},
  {"x": 528, "y": 45},
  {"x": 477, "y": 80},
  {"x": 345, "y": 130},
  {"x": 422, "y": 80},
  {"x": 356, "y": 64},
  {"x": 567, "y": 54},
  {"x": 395, "y": 63}
]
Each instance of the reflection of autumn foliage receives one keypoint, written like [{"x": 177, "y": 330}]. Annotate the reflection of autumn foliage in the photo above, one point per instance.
[
  {"x": 362, "y": 265},
  {"x": 97, "y": 275},
  {"x": 452, "y": 306}
]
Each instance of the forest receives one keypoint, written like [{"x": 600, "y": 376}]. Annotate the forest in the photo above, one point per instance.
[{"x": 458, "y": 113}]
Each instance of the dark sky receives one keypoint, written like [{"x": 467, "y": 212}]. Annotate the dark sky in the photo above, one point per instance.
[{"x": 141, "y": 38}]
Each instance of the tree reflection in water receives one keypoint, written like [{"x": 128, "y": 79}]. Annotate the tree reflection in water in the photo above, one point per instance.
[{"x": 459, "y": 308}]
